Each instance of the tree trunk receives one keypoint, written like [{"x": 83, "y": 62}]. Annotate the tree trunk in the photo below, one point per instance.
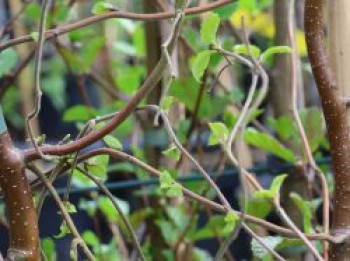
[
  {"x": 339, "y": 53},
  {"x": 334, "y": 110},
  {"x": 21, "y": 213}
]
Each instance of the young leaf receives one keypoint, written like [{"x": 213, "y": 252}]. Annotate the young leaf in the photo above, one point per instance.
[
  {"x": 267, "y": 54},
  {"x": 169, "y": 186},
  {"x": 277, "y": 183},
  {"x": 35, "y": 36},
  {"x": 274, "y": 189},
  {"x": 172, "y": 152},
  {"x": 113, "y": 142},
  {"x": 64, "y": 230},
  {"x": 200, "y": 64},
  {"x": 219, "y": 133},
  {"x": 230, "y": 221},
  {"x": 209, "y": 28},
  {"x": 242, "y": 49},
  {"x": 258, "y": 207},
  {"x": 70, "y": 207},
  {"x": 102, "y": 7},
  {"x": 97, "y": 166}
]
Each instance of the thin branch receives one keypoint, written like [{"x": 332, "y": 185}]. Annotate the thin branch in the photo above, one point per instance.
[
  {"x": 302, "y": 134},
  {"x": 119, "y": 210},
  {"x": 147, "y": 86},
  {"x": 38, "y": 93},
  {"x": 115, "y": 14},
  {"x": 63, "y": 210},
  {"x": 175, "y": 140}
]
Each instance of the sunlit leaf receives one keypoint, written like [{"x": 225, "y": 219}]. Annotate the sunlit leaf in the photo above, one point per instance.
[
  {"x": 219, "y": 133},
  {"x": 169, "y": 186},
  {"x": 243, "y": 49},
  {"x": 230, "y": 221},
  {"x": 267, "y": 54},
  {"x": 79, "y": 113},
  {"x": 90, "y": 238},
  {"x": 102, "y": 7},
  {"x": 64, "y": 230},
  {"x": 209, "y": 28},
  {"x": 200, "y": 64},
  {"x": 172, "y": 152}
]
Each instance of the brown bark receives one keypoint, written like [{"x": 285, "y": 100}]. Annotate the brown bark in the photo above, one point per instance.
[
  {"x": 334, "y": 110},
  {"x": 23, "y": 223}
]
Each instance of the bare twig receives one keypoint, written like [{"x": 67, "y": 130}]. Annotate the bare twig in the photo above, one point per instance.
[
  {"x": 119, "y": 210},
  {"x": 63, "y": 210},
  {"x": 38, "y": 93}
]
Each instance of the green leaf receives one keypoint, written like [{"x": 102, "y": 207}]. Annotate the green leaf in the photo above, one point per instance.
[
  {"x": 70, "y": 207},
  {"x": 178, "y": 217},
  {"x": 219, "y": 133},
  {"x": 113, "y": 142},
  {"x": 230, "y": 221},
  {"x": 274, "y": 189},
  {"x": 283, "y": 126},
  {"x": 202, "y": 255},
  {"x": 90, "y": 238},
  {"x": 258, "y": 207},
  {"x": 277, "y": 183},
  {"x": 210, "y": 107},
  {"x": 211, "y": 229},
  {"x": 209, "y": 28},
  {"x": 109, "y": 211},
  {"x": 249, "y": 5},
  {"x": 169, "y": 186},
  {"x": 169, "y": 232},
  {"x": 166, "y": 103},
  {"x": 48, "y": 246},
  {"x": 268, "y": 143},
  {"x": 97, "y": 166},
  {"x": 260, "y": 251},
  {"x": 79, "y": 113},
  {"x": 8, "y": 59},
  {"x": 243, "y": 49},
  {"x": 64, "y": 230},
  {"x": 267, "y": 54},
  {"x": 200, "y": 64},
  {"x": 172, "y": 152},
  {"x": 102, "y": 7},
  {"x": 306, "y": 209},
  {"x": 226, "y": 11}
]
